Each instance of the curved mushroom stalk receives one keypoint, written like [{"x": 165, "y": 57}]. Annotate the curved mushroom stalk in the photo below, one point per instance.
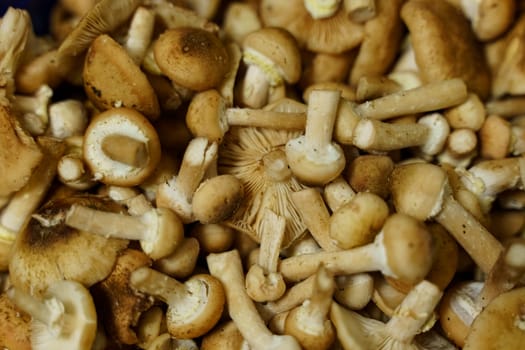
[
  {"x": 402, "y": 249},
  {"x": 34, "y": 110},
  {"x": 309, "y": 323},
  {"x": 177, "y": 193},
  {"x": 227, "y": 267},
  {"x": 263, "y": 280},
  {"x": 355, "y": 331},
  {"x": 194, "y": 307},
  {"x": 159, "y": 230},
  {"x": 314, "y": 158},
  {"x": 422, "y": 191},
  {"x": 65, "y": 318}
]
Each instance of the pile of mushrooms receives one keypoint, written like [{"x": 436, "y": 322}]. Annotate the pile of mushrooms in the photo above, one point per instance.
[{"x": 260, "y": 174}]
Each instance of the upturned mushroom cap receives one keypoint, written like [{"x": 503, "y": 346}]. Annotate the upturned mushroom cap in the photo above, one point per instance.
[
  {"x": 279, "y": 47},
  {"x": 500, "y": 324},
  {"x": 108, "y": 65},
  {"x": 48, "y": 250},
  {"x": 191, "y": 57},
  {"x": 431, "y": 25}
]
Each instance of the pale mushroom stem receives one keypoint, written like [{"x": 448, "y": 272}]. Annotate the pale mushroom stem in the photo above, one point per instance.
[
  {"x": 266, "y": 119},
  {"x": 255, "y": 87},
  {"x": 139, "y": 34},
  {"x": 105, "y": 223},
  {"x": 318, "y": 305},
  {"x": 50, "y": 312},
  {"x": 337, "y": 193},
  {"x": 272, "y": 233},
  {"x": 321, "y": 116},
  {"x": 227, "y": 268},
  {"x": 414, "y": 311},
  {"x": 155, "y": 283},
  {"x": 428, "y": 97},
  {"x": 125, "y": 149}
]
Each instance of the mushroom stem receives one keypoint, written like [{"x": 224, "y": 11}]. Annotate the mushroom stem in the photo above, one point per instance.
[
  {"x": 414, "y": 311},
  {"x": 157, "y": 284},
  {"x": 50, "y": 312},
  {"x": 428, "y": 97},
  {"x": 255, "y": 87},
  {"x": 272, "y": 228},
  {"x": 320, "y": 9},
  {"x": 227, "y": 267},
  {"x": 321, "y": 116},
  {"x": 265, "y": 118},
  {"x": 140, "y": 33}
]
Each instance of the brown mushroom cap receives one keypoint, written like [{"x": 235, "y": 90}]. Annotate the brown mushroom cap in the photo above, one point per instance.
[
  {"x": 500, "y": 324},
  {"x": 112, "y": 79},
  {"x": 48, "y": 250},
  {"x": 280, "y": 47},
  {"x": 432, "y": 24},
  {"x": 191, "y": 57},
  {"x": 15, "y": 332}
]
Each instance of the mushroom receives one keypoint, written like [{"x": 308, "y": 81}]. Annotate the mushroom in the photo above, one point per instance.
[
  {"x": 67, "y": 118},
  {"x": 151, "y": 324},
  {"x": 64, "y": 318},
  {"x": 194, "y": 307},
  {"x": 370, "y": 173},
  {"x": 47, "y": 250},
  {"x": 72, "y": 170},
  {"x": 166, "y": 342},
  {"x": 33, "y": 110},
  {"x": 182, "y": 262},
  {"x": 224, "y": 336},
  {"x": 309, "y": 322},
  {"x": 192, "y": 58},
  {"x": 159, "y": 230},
  {"x": 173, "y": 16},
  {"x": 498, "y": 138},
  {"x": 354, "y": 291},
  {"x": 506, "y": 310},
  {"x": 430, "y": 25},
  {"x": 239, "y": 19},
  {"x": 403, "y": 249},
  {"x": 140, "y": 33},
  {"x": 337, "y": 193},
  {"x": 355, "y": 331},
  {"x": 506, "y": 107},
  {"x": 422, "y": 191},
  {"x": 382, "y": 37},
  {"x": 361, "y": 10},
  {"x": 213, "y": 238},
  {"x": 357, "y": 222},
  {"x": 227, "y": 268},
  {"x": 16, "y": 326},
  {"x": 318, "y": 26},
  {"x": 470, "y": 114},
  {"x": 313, "y": 157},
  {"x": 177, "y": 192},
  {"x": 121, "y": 147},
  {"x": 121, "y": 304},
  {"x": 371, "y": 87},
  {"x": 263, "y": 281},
  {"x": 208, "y": 116},
  {"x": 256, "y": 157},
  {"x": 108, "y": 64},
  {"x": 273, "y": 59}
]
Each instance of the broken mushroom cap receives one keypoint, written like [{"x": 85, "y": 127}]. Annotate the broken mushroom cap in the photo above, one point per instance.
[
  {"x": 121, "y": 147},
  {"x": 107, "y": 65},
  {"x": 191, "y": 57},
  {"x": 217, "y": 198},
  {"x": 48, "y": 250},
  {"x": 500, "y": 324},
  {"x": 194, "y": 307},
  {"x": 65, "y": 317}
]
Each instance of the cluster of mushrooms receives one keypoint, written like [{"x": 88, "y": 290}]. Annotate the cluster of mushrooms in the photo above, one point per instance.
[{"x": 263, "y": 174}]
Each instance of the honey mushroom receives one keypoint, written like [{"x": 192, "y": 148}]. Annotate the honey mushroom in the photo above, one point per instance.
[
  {"x": 64, "y": 318},
  {"x": 393, "y": 252},
  {"x": 140, "y": 34},
  {"x": 273, "y": 59},
  {"x": 16, "y": 330},
  {"x": 227, "y": 268},
  {"x": 422, "y": 191},
  {"x": 194, "y": 307},
  {"x": 121, "y": 147},
  {"x": 67, "y": 118},
  {"x": 208, "y": 116},
  {"x": 72, "y": 170},
  {"x": 370, "y": 173},
  {"x": 263, "y": 280},
  {"x": 500, "y": 138},
  {"x": 166, "y": 342},
  {"x": 33, "y": 110}
]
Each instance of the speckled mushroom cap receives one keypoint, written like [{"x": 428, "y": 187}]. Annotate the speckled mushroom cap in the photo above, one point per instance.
[
  {"x": 444, "y": 44},
  {"x": 48, "y": 250},
  {"x": 280, "y": 47},
  {"x": 191, "y": 57}
]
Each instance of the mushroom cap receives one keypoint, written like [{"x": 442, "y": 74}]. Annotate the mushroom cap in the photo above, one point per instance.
[
  {"x": 128, "y": 123},
  {"x": 169, "y": 233},
  {"x": 418, "y": 189},
  {"x": 15, "y": 332},
  {"x": 191, "y": 57},
  {"x": 500, "y": 324},
  {"x": 48, "y": 250},
  {"x": 108, "y": 65},
  {"x": 218, "y": 198},
  {"x": 280, "y": 47},
  {"x": 431, "y": 25},
  {"x": 206, "y": 115},
  {"x": 409, "y": 248},
  {"x": 121, "y": 304}
]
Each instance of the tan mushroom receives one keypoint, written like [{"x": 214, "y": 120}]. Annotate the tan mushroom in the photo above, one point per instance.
[
  {"x": 213, "y": 238},
  {"x": 47, "y": 250},
  {"x": 369, "y": 173},
  {"x": 64, "y": 318},
  {"x": 33, "y": 110},
  {"x": 121, "y": 147},
  {"x": 183, "y": 261},
  {"x": 192, "y": 58},
  {"x": 431, "y": 24},
  {"x": 67, "y": 118},
  {"x": 16, "y": 325},
  {"x": 194, "y": 307},
  {"x": 224, "y": 336}
]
